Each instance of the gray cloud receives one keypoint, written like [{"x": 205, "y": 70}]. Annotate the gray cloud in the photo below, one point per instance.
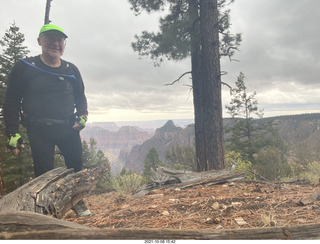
[
  {"x": 279, "y": 40},
  {"x": 279, "y": 55}
]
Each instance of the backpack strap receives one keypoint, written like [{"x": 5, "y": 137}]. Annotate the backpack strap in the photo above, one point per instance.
[{"x": 45, "y": 71}]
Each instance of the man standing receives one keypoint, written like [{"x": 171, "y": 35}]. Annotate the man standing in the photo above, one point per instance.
[{"x": 47, "y": 94}]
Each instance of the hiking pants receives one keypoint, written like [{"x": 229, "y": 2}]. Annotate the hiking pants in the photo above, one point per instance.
[{"x": 43, "y": 138}]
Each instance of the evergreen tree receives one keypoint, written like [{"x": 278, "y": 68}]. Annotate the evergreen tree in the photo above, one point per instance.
[
  {"x": 242, "y": 109},
  {"x": 14, "y": 171},
  {"x": 92, "y": 157},
  {"x": 255, "y": 139},
  {"x": 14, "y": 49},
  {"x": 192, "y": 28},
  {"x": 183, "y": 157},
  {"x": 152, "y": 161}
]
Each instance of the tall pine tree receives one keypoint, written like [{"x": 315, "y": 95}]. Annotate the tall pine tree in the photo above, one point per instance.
[
  {"x": 14, "y": 171},
  {"x": 192, "y": 28},
  {"x": 242, "y": 108},
  {"x": 250, "y": 136},
  {"x": 13, "y": 49}
]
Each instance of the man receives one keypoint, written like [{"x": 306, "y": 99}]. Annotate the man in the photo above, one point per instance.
[{"x": 47, "y": 93}]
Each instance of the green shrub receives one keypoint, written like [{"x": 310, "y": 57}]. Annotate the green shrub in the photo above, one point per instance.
[
  {"x": 272, "y": 164},
  {"x": 309, "y": 172},
  {"x": 127, "y": 184},
  {"x": 244, "y": 166}
]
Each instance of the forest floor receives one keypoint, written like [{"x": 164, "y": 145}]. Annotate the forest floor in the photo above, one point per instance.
[{"x": 227, "y": 206}]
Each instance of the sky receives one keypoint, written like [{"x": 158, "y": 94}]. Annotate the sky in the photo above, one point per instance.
[{"x": 279, "y": 56}]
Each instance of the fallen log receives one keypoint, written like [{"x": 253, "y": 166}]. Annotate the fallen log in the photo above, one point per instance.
[
  {"x": 165, "y": 178},
  {"x": 54, "y": 192},
  {"x": 32, "y": 226},
  {"x": 22, "y": 221}
]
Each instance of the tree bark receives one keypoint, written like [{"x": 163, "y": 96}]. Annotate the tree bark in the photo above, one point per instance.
[
  {"x": 206, "y": 84},
  {"x": 211, "y": 88},
  {"x": 197, "y": 84},
  {"x": 54, "y": 192}
]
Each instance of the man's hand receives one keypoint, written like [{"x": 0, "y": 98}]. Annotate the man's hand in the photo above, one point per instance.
[
  {"x": 15, "y": 141},
  {"x": 80, "y": 122}
]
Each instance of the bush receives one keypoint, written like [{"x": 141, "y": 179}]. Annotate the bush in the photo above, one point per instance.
[
  {"x": 244, "y": 166},
  {"x": 127, "y": 184},
  {"x": 272, "y": 164},
  {"x": 309, "y": 172}
]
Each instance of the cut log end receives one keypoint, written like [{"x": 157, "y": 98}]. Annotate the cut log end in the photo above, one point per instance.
[{"x": 54, "y": 192}]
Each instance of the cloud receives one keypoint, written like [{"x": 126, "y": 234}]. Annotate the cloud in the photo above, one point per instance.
[
  {"x": 279, "y": 41},
  {"x": 279, "y": 55}
]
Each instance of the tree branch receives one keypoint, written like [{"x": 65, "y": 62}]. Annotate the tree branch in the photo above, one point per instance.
[
  {"x": 177, "y": 80},
  {"x": 226, "y": 85}
]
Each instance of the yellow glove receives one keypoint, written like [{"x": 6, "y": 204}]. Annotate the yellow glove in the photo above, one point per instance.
[
  {"x": 80, "y": 122},
  {"x": 14, "y": 141}
]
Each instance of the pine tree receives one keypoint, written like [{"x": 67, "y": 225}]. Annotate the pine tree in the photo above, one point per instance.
[
  {"x": 254, "y": 138},
  {"x": 93, "y": 157},
  {"x": 182, "y": 157},
  {"x": 14, "y": 49},
  {"x": 16, "y": 170},
  {"x": 242, "y": 109},
  {"x": 192, "y": 28},
  {"x": 152, "y": 161}
]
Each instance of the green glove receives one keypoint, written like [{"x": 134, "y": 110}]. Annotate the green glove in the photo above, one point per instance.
[
  {"x": 81, "y": 120},
  {"x": 14, "y": 141}
]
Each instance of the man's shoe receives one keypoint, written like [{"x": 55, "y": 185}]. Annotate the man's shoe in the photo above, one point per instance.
[{"x": 81, "y": 209}]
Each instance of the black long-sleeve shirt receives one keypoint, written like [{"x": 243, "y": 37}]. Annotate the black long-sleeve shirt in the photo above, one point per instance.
[{"x": 42, "y": 91}]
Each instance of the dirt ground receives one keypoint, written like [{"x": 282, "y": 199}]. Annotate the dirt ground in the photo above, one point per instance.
[{"x": 228, "y": 206}]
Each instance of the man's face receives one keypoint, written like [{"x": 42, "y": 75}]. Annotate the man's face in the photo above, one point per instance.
[{"x": 52, "y": 44}]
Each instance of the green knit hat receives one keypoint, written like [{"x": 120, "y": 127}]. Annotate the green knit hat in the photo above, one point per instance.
[{"x": 49, "y": 28}]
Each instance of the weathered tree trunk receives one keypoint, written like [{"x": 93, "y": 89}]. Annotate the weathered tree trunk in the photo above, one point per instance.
[
  {"x": 30, "y": 226},
  {"x": 54, "y": 192}
]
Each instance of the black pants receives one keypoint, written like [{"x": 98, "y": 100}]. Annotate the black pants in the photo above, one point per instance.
[{"x": 44, "y": 137}]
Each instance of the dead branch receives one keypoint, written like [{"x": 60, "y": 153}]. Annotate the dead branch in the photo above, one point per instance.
[{"x": 177, "y": 80}]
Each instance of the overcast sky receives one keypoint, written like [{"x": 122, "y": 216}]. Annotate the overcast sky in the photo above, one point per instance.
[{"x": 280, "y": 56}]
